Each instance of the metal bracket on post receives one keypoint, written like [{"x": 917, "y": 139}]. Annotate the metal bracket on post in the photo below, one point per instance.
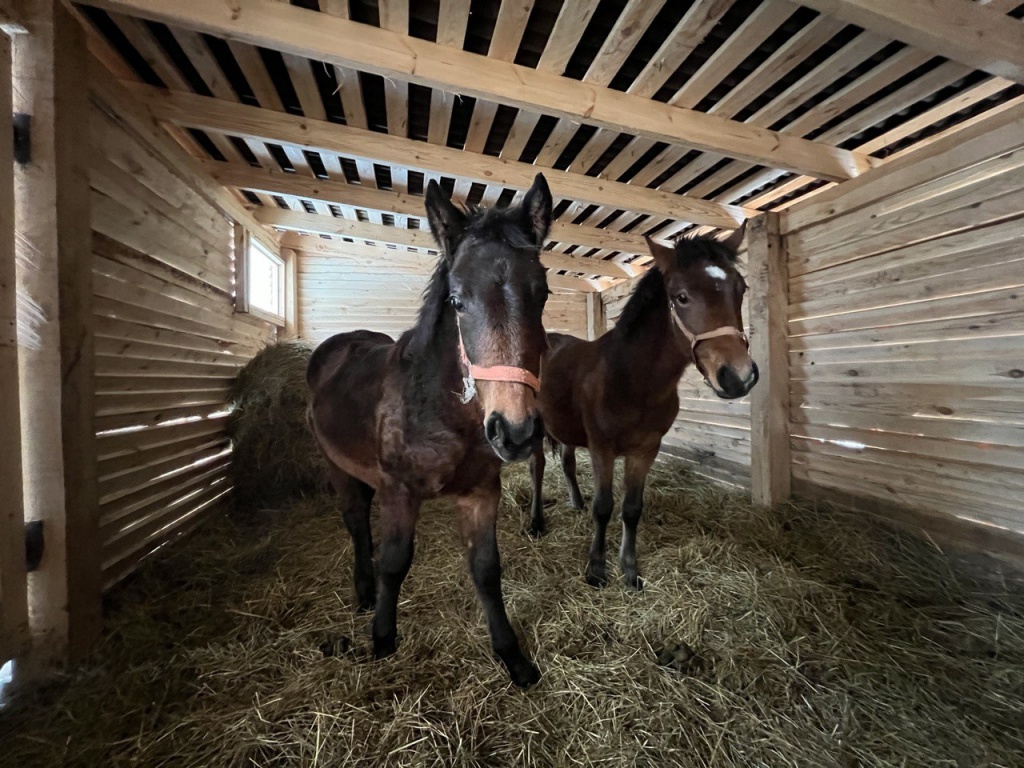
[
  {"x": 22, "y": 138},
  {"x": 35, "y": 545}
]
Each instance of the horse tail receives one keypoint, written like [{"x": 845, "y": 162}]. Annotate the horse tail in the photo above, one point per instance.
[{"x": 553, "y": 445}]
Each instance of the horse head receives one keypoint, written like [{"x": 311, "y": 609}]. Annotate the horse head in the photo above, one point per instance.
[
  {"x": 496, "y": 289},
  {"x": 705, "y": 295}
]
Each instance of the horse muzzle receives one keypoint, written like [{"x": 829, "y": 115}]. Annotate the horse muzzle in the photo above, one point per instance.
[
  {"x": 513, "y": 442},
  {"x": 731, "y": 385}
]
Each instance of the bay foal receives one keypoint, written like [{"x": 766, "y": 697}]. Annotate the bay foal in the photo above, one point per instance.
[
  {"x": 436, "y": 413},
  {"x": 617, "y": 395}
]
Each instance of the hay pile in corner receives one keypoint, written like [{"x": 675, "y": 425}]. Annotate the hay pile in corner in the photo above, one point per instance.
[
  {"x": 819, "y": 640},
  {"x": 275, "y": 457}
]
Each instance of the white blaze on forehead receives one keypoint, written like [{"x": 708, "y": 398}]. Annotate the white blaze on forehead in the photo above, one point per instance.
[{"x": 716, "y": 272}]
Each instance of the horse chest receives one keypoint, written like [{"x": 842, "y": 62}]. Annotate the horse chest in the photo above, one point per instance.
[{"x": 431, "y": 457}]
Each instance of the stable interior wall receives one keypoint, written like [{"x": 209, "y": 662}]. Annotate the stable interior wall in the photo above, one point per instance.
[
  {"x": 168, "y": 341},
  {"x": 351, "y": 286},
  {"x": 906, "y": 335},
  {"x": 710, "y": 434}
]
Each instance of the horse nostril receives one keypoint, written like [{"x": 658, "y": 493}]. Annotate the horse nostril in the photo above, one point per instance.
[{"x": 494, "y": 428}]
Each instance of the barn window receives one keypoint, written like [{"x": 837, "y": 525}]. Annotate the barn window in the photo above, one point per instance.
[{"x": 261, "y": 288}]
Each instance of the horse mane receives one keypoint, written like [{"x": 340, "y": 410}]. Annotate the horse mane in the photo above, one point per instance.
[
  {"x": 650, "y": 291},
  {"x": 482, "y": 224}
]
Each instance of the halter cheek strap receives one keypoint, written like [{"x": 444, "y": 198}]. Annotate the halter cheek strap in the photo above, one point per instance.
[
  {"x": 507, "y": 373},
  {"x": 696, "y": 338}
]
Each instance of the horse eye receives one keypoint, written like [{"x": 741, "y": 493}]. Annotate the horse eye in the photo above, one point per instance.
[
  {"x": 682, "y": 298},
  {"x": 456, "y": 302}
]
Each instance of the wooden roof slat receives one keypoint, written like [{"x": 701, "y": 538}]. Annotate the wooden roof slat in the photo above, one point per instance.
[
  {"x": 239, "y": 119},
  {"x": 142, "y": 40},
  {"x": 509, "y": 28},
  {"x": 357, "y": 196},
  {"x": 452, "y": 19},
  {"x": 631, "y": 24},
  {"x": 337, "y": 41},
  {"x": 754, "y": 30},
  {"x": 256, "y": 75},
  {"x": 974, "y": 34},
  {"x": 394, "y": 16},
  {"x": 689, "y": 33}
]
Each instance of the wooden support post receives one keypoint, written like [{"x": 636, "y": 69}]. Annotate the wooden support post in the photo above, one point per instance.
[
  {"x": 56, "y": 350},
  {"x": 768, "y": 275},
  {"x": 291, "y": 292},
  {"x": 595, "y": 316},
  {"x": 13, "y": 582}
]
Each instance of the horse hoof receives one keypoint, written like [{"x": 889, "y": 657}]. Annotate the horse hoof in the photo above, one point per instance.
[
  {"x": 384, "y": 648},
  {"x": 536, "y": 531},
  {"x": 597, "y": 580},
  {"x": 634, "y": 582},
  {"x": 524, "y": 673}
]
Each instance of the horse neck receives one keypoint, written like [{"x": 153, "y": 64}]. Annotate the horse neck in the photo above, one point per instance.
[
  {"x": 437, "y": 369},
  {"x": 653, "y": 351}
]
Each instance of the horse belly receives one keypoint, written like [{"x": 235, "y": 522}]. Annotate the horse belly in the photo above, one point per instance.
[{"x": 343, "y": 412}]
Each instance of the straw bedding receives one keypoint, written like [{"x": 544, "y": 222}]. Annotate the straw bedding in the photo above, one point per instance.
[{"x": 792, "y": 637}]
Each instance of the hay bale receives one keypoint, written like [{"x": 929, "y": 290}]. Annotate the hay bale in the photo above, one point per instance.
[{"x": 275, "y": 456}]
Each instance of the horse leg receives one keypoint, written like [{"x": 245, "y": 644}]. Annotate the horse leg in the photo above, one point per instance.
[
  {"x": 637, "y": 467},
  {"x": 604, "y": 471},
  {"x": 568, "y": 453},
  {"x": 356, "y": 497},
  {"x": 538, "y": 526},
  {"x": 398, "y": 513},
  {"x": 478, "y": 515}
]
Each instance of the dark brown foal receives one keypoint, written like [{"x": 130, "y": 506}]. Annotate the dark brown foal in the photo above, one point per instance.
[
  {"x": 438, "y": 412},
  {"x": 617, "y": 395}
]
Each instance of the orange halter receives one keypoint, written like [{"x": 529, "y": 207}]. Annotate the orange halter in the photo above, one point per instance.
[
  {"x": 696, "y": 338},
  {"x": 507, "y": 373}
]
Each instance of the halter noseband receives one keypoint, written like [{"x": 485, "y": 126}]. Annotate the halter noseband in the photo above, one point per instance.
[
  {"x": 507, "y": 373},
  {"x": 696, "y": 338}
]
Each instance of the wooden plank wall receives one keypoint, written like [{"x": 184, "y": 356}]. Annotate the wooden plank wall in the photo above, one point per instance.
[
  {"x": 337, "y": 294},
  {"x": 711, "y": 434},
  {"x": 167, "y": 343},
  {"x": 906, "y": 332}
]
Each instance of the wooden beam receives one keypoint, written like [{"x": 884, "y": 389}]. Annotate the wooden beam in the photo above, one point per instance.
[
  {"x": 345, "y": 43},
  {"x": 967, "y": 32},
  {"x": 596, "y": 325},
  {"x": 56, "y": 356},
  {"x": 418, "y": 238},
  {"x": 315, "y": 246},
  {"x": 206, "y": 113},
  {"x": 10, "y": 20},
  {"x": 356, "y": 196},
  {"x": 13, "y": 581},
  {"x": 770, "y": 469}
]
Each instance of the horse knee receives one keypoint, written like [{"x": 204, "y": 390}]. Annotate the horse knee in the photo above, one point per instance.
[{"x": 602, "y": 509}]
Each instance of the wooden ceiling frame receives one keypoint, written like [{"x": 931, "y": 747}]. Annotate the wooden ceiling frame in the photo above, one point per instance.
[
  {"x": 341, "y": 42},
  {"x": 689, "y": 31},
  {"x": 189, "y": 110},
  {"x": 970, "y": 33}
]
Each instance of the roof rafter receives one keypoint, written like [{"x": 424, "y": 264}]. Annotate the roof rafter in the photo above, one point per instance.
[
  {"x": 206, "y": 113},
  {"x": 966, "y": 32},
  {"x": 355, "y": 196},
  {"x": 341, "y": 42},
  {"x": 296, "y": 221}
]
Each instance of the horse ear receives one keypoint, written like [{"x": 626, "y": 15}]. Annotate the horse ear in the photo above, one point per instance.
[
  {"x": 446, "y": 221},
  {"x": 536, "y": 208},
  {"x": 664, "y": 257},
  {"x": 735, "y": 240}
]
